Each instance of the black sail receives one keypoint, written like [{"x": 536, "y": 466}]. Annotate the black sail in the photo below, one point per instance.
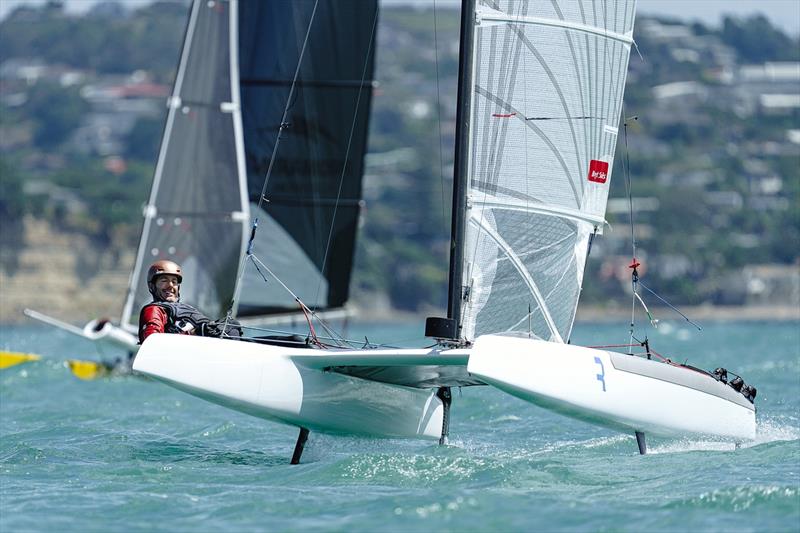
[
  {"x": 308, "y": 221},
  {"x": 233, "y": 84},
  {"x": 196, "y": 213}
]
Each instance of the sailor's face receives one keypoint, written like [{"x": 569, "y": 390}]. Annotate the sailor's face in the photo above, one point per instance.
[{"x": 167, "y": 288}]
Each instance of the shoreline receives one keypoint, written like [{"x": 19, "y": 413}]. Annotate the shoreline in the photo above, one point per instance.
[
  {"x": 602, "y": 314},
  {"x": 709, "y": 313},
  {"x": 599, "y": 314}
]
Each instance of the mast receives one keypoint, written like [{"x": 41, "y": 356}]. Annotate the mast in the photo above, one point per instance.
[
  {"x": 238, "y": 135},
  {"x": 460, "y": 174}
]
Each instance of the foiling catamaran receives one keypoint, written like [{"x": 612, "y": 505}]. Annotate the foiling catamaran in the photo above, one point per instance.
[{"x": 539, "y": 104}]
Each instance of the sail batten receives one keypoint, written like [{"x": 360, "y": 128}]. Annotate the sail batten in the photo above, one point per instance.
[
  {"x": 514, "y": 204},
  {"x": 546, "y": 100},
  {"x": 496, "y": 16}
]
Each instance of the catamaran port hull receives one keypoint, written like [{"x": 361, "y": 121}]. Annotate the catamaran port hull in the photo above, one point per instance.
[
  {"x": 269, "y": 382},
  {"x": 619, "y": 391}
]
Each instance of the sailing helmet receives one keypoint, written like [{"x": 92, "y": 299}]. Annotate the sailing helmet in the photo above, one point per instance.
[
  {"x": 164, "y": 266},
  {"x": 160, "y": 268}
]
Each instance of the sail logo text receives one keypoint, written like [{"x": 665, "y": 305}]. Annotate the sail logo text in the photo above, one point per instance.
[{"x": 598, "y": 171}]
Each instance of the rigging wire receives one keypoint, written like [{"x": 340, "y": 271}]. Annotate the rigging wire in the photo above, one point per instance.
[
  {"x": 648, "y": 289},
  {"x": 628, "y": 187},
  {"x": 635, "y": 281},
  {"x": 297, "y": 299}
]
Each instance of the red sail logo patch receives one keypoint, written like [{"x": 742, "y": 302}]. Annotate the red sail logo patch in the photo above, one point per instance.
[{"x": 598, "y": 171}]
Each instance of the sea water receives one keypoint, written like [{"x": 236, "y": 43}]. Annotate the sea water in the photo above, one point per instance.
[{"x": 128, "y": 454}]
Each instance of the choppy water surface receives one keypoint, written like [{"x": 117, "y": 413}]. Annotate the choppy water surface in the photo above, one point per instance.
[{"x": 125, "y": 454}]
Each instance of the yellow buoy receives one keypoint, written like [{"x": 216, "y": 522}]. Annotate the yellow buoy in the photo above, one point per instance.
[
  {"x": 88, "y": 370},
  {"x": 8, "y": 359}
]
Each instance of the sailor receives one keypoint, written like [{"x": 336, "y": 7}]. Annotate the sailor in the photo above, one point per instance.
[{"x": 166, "y": 313}]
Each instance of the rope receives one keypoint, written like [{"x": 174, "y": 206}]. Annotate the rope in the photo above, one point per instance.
[
  {"x": 297, "y": 299},
  {"x": 615, "y": 346},
  {"x": 313, "y": 334},
  {"x": 653, "y": 321}
]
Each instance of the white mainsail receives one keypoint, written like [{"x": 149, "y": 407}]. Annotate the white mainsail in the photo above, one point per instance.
[{"x": 547, "y": 93}]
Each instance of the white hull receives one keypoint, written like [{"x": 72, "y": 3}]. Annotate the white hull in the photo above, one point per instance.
[
  {"x": 297, "y": 386},
  {"x": 267, "y": 382},
  {"x": 619, "y": 391}
]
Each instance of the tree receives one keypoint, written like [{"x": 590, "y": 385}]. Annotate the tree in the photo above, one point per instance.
[
  {"x": 12, "y": 209},
  {"x": 757, "y": 40},
  {"x": 57, "y": 112}
]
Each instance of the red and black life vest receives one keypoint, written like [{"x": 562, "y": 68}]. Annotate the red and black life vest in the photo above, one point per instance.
[{"x": 183, "y": 318}]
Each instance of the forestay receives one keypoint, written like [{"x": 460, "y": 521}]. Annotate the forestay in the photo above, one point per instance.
[
  {"x": 197, "y": 212},
  {"x": 547, "y": 93}
]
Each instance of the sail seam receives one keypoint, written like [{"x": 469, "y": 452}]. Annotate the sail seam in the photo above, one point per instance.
[
  {"x": 347, "y": 150},
  {"x": 254, "y": 82},
  {"x": 584, "y": 111}
]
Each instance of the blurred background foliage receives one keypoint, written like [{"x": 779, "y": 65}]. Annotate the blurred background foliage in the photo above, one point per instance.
[{"x": 726, "y": 179}]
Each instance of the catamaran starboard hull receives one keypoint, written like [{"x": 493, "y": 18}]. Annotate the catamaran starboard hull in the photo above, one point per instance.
[
  {"x": 266, "y": 382},
  {"x": 615, "y": 390}
]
